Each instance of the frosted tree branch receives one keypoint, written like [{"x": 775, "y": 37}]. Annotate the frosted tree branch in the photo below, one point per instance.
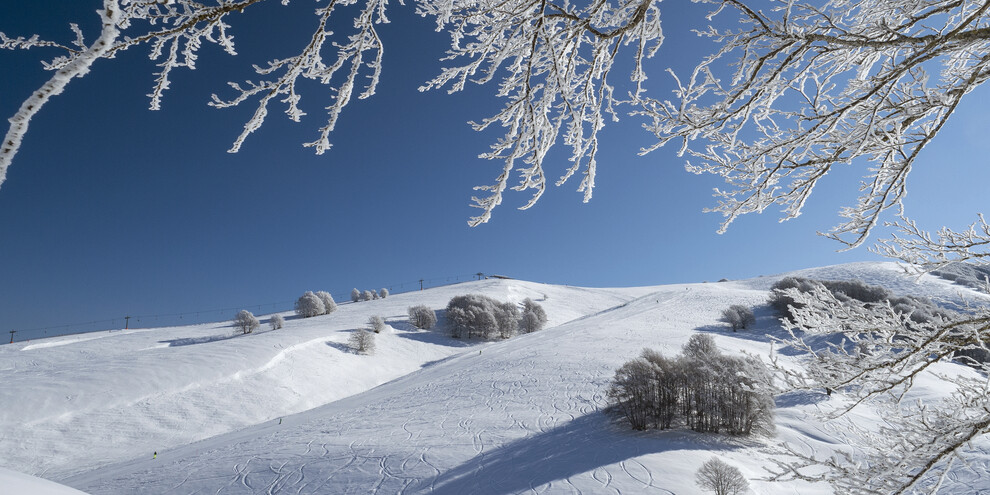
[
  {"x": 926, "y": 252},
  {"x": 76, "y": 65},
  {"x": 809, "y": 86},
  {"x": 879, "y": 360},
  {"x": 556, "y": 59},
  {"x": 791, "y": 90}
]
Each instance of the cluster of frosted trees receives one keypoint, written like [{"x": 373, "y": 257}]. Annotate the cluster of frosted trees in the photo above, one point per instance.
[
  {"x": 477, "y": 316},
  {"x": 315, "y": 304},
  {"x": 701, "y": 389},
  {"x": 367, "y": 295}
]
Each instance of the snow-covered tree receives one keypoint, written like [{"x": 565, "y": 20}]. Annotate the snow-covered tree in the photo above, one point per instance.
[
  {"x": 720, "y": 477},
  {"x": 377, "y": 324},
  {"x": 309, "y": 304},
  {"x": 700, "y": 346},
  {"x": 738, "y": 316},
  {"x": 363, "y": 341},
  {"x": 245, "y": 321},
  {"x": 422, "y": 317},
  {"x": 276, "y": 321},
  {"x": 383, "y": 293},
  {"x": 507, "y": 317},
  {"x": 367, "y": 295},
  {"x": 533, "y": 316},
  {"x": 530, "y": 322},
  {"x": 329, "y": 305},
  {"x": 355, "y": 295}
]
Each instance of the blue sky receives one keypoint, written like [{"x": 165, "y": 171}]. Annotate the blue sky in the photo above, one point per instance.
[{"x": 111, "y": 209}]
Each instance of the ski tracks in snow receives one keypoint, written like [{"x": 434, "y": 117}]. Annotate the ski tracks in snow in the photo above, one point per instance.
[{"x": 523, "y": 416}]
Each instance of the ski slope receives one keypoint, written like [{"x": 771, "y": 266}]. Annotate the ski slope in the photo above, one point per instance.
[{"x": 293, "y": 411}]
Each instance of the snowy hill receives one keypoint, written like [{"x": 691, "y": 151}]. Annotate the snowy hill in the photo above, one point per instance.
[{"x": 293, "y": 411}]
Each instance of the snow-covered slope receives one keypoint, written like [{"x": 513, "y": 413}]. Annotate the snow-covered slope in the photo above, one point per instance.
[
  {"x": 19, "y": 483},
  {"x": 292, "y": 411},
  {"x": 76, "y": 403}
]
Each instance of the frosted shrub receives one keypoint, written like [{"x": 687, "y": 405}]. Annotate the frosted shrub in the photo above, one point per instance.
[
  {"x": 355, "y": 295},
  {"x": 363, "y": 341},
  {"x": 246, "y": 321},
  {"x": 422, "y": 317},
  {"x": 367, "y": 295},
  {"x": 309, "y": 305},
  {"x": 721, "y": 478},
  {"x": 377, "y": 324},
  {"x": 383, "y": 293},
  {"x": 276, "y": 321},
  {"x": 738, "y": 317},
  {"x": 329, "y": 305}
]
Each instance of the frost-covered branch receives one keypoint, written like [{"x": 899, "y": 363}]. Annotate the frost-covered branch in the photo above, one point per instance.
[
  {"x": 76, "y": 64},
  {"x": 189, "y": 23},
  {"x": 922, "y": 250},
  {"x": 882, "y": 355},
  {"x": 809, "y": 85},
  {"x": 791, "y": 90},
  {"x": 555, "y": 60},
  {"x": 309, "y": 64},
  {"x": 175, "y": 31}
]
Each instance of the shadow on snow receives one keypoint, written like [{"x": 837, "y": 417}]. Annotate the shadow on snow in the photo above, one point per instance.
[{"x": 579, "y": 446}]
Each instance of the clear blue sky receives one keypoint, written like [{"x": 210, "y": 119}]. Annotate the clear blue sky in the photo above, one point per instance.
[{"x": 111, "y": 209}]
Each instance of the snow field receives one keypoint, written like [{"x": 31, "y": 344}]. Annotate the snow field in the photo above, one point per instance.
[
  {"x": 72, "y": 404},
  {"x": 292, "y": 411}
]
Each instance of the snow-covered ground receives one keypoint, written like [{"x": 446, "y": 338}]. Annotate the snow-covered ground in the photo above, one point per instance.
[{"x": 294, "y": 411}]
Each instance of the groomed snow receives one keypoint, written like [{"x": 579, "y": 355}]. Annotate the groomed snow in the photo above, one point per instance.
[{"x": 293, "y": 411}]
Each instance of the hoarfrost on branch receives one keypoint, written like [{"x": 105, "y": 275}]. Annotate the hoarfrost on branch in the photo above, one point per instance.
[
  {"x": 883, "y": 355},
  {"x": 790, "y": 91},
  {"x": 552, "y": 61}
]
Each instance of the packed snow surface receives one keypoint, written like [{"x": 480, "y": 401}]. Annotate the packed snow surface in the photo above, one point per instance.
[{"x": 296, "y": 411}]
